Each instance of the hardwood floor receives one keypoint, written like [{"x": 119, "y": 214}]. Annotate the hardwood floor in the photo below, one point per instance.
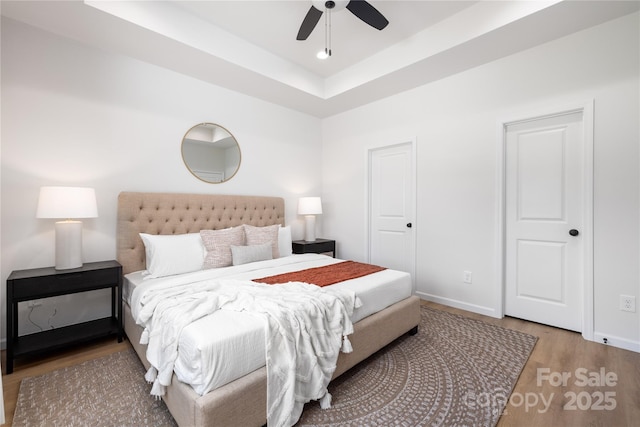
[
  {"x": 539, "y": 400},
  {"x": 536, "y": 400}
]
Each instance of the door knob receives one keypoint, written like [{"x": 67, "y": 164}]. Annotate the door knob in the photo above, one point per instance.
[
  {"x": 409, "y": 225},
  {"x": 574, "y": 232}
]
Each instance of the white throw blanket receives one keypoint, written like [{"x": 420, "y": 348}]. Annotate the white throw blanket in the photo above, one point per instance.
[{"x": 307, "y": 326}]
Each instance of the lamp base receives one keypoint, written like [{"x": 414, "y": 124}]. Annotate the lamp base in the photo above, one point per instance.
[
  {"x": 68, "y": 244},
  {"x": 310, "y": 228}
]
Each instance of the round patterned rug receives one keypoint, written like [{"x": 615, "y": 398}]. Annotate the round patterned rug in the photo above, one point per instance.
[{"x": 455, "y": 372}]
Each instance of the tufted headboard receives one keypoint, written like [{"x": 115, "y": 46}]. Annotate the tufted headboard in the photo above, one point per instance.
[{"x": 177, "y": 213}]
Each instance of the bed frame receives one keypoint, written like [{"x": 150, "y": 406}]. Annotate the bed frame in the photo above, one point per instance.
[{"x": 243, "y": 401}]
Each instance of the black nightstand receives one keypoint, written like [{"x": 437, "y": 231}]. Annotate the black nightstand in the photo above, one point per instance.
[
  {"x": 319, "y": 246},
  {"x": 37, "y": 283}
]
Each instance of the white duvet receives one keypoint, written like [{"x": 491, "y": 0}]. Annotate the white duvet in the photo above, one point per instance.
[
  {"x": 204, "y": 345},
  {"x": 306, "y": 329}
]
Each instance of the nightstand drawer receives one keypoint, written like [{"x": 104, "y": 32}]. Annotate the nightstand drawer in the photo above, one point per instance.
[
  {"x": 318, "y": 246},
  {"x": 62, "y": 284}
]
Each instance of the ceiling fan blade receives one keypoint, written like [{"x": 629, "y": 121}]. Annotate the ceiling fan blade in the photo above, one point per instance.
[
  {"x": 367, "y": 13},
  {"x": 309, "y": 23}
]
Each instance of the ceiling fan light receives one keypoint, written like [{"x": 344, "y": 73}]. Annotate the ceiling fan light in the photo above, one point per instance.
[{"x": 323, "y": 54}]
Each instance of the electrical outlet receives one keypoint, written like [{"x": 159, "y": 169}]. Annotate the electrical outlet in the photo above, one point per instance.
[
  {"x": 467, "y": 277},
  {"x": 34, "y": 303},
  {"x": 628, "y": 303}
]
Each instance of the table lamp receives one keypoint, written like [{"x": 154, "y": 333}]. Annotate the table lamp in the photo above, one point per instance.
[
  {"x": 69, "y": 203},
  {"x": 310, "y": 207}
]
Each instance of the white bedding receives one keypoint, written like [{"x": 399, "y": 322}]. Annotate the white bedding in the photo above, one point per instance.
[{"x": 209, "y": 345}]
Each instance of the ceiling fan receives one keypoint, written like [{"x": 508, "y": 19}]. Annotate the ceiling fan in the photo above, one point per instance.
[{"x": 360, "y": 8}]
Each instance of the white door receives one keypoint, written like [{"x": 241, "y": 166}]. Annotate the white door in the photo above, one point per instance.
[
  {"x": 544, "y": 218},
  {"x": 391, "y": 207}
]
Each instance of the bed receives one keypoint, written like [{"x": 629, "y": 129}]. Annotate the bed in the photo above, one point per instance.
[{"x": 242, "y": 400}]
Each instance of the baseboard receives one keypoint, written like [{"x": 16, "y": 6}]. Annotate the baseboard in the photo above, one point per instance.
[
  {"x": 487, "y": 311},
  {"x": 599, "y": 337},
  {"x": 619, "y": 342}
]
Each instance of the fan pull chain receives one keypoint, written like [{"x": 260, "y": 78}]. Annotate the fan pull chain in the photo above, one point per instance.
[
  {"x": 327, "y": 32},
  {"x": 326, "y": 37},
  {"x": 329, "y": 17}
]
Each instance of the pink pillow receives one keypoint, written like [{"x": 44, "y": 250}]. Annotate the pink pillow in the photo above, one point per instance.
[
  {"x": 260, "y": 235},
  {"x": 218, "y": 245}
]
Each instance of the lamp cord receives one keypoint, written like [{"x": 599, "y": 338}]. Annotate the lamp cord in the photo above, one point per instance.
[{"x": 30, "y": 320}]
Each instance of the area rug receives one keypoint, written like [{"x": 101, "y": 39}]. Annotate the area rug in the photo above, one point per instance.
[
  {"x": 455, "y": 371},
  {"x": 109, "y": 391}
]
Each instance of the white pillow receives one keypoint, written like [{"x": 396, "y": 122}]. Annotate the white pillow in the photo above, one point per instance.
[
  {"x": 284, "y": 241},
  {"x": 247, "y": 254},
  {"x": 172, "y": 253}
]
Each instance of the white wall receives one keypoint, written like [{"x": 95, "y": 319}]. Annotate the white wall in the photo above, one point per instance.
[
  {"x": 73, "y": 115},
  {"x": 455, "y": 122}
]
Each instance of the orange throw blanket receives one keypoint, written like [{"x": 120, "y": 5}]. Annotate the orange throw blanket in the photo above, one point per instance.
[{"x": 323, "y": 276}]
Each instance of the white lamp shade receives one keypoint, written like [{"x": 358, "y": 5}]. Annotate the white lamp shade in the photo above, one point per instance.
[
  {"x": 67, "y": 202},
  {"x": 309, "y": 206}
]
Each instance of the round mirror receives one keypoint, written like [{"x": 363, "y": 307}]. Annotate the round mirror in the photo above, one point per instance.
[{"x": 211, "y": 153}]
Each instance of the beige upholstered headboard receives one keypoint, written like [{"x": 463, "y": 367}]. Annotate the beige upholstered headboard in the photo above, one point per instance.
[{"x": 169, "y": 213}]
